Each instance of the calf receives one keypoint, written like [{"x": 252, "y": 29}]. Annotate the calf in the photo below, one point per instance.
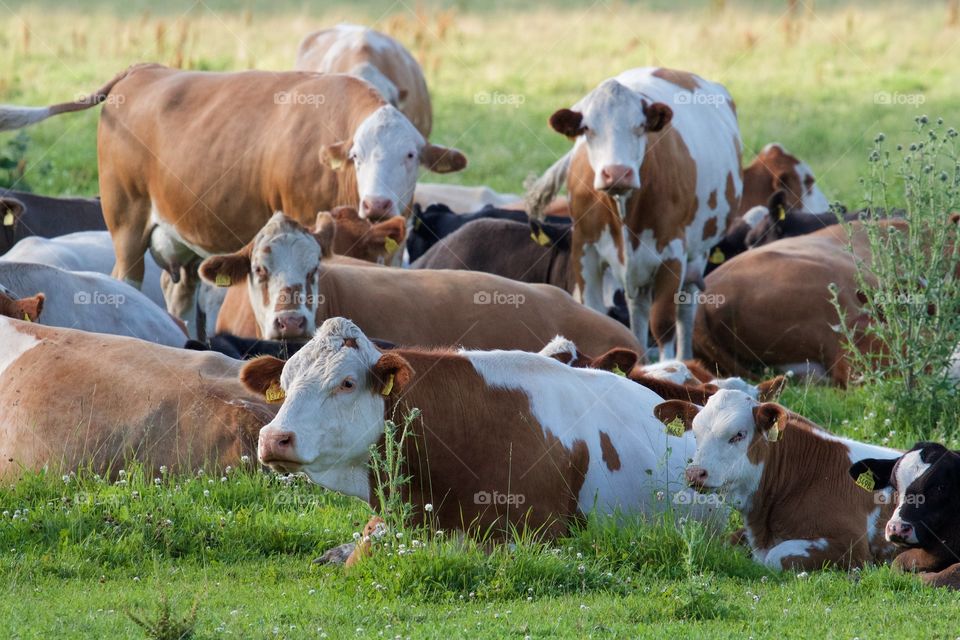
[
  {"x": 376, "y": 58},
  {"x": 500, "y": 438},
  {"x": 71, "y": 399},
  {"x": 788, "y": 479},
  {"x": 93, "y": 302},
  {"x": 291, "y": 291},
  {"x": 361, "y": 239},
  {"x": 25, "y": 214},
  {"x": 653, "y": 177},
  {"x": 924, "y": 524}
]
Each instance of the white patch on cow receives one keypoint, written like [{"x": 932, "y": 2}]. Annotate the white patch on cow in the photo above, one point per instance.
[
  {"x": 737, "y": 383},
  {"x": 385, "y": 152},
  {"x": 670, "y": 370},
  {"x": 857, "y": 451},
  {"x": 773, "y": 558},
  {"x": 910, "y": 468},
  {"x": 461, "y": 199},
  {"x": 755, "y": 215},
  {"x": 724, "y": 429},
  {"x": 559, "y": 345},
  {"x": 874, "y": 526},
  {"x": 167, "y": 246},
  {"x": 15, "y": 343},
  {"x": 814, "y": 200}
]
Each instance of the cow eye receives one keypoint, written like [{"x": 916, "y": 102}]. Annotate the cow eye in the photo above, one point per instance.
[
  {"x": 260, "y": 273},
  {"x": 738, "y": 437},
  {"x": 410, "y": 155},
  {"x": 347, "y": 385}
]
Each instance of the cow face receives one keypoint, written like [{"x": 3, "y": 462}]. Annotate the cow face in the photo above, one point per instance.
[
  {"x": 731, "y": 431},
  {"x": 386, "y": 154},
  {"x": 334, "y": 392},
  {"x": 614, "y": 121},
  {"x": 381, "y": 243},
  {"x": 926, "y": 480},
  {"x": 281, "y": 269},
  {"x": 28, "y": 309},
  {"x": 776, "y": 169}
]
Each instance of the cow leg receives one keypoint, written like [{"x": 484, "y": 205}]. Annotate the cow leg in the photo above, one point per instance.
[
  {"x": 638, "y": 306},
  {"x": 127, "y": 219},
  {"x": 949, "y": 577},
  {"x": 182, "y": 298},
  {"x": 919, "y": 560},
  {"x": 666, "y": 301},
  {"x": 685, "y": 316},
  {"x": 591, "y": 273}
]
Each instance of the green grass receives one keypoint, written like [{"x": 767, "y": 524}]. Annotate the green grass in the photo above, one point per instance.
[{"x": 85, "y": 552}]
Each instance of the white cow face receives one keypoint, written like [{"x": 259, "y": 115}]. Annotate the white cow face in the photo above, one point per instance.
[
  {"x": 281, "y": 268},
  {"x": 730, "y": 431},
  {"x": 813, "y": 200},
  {"x": 334, "y": 392},
  {"x": 386, "y": 153},
  {"x": 614, "y": 121}
]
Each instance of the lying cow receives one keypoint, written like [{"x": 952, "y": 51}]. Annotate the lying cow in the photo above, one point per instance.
[
  {"x": 326, "y": 139},
  {"x": 788, "y": 479},
  {"x": 361, "y": 239},
  {"x": 93, "y": 302},
  {"x": 375, "y": 57},
  {"x": 23, "y": 215},
  {"x": 71, "y": 399},
  {"x": 653, "y": 177},
  {"x": 925, "y": 481},
  {"x": 501, "y": 438},
  {"x": 291, "y": 292},
  {"x": 776, "y": 169}
]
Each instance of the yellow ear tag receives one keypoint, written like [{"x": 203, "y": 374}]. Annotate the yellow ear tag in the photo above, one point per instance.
[
  {"x": 8, "y": 219},
  {"x": 717, "y": 256},
  {"x": 542, "y": 239},
  {"x": 676, "y": 427},
  {"x": 274, "y": 393},
  {"x": 26, "y": 316},
  {"x": 773, "y": 433},
  {"x": 390, "y": 244},
  {"x": 223, "y": 280},
  {"x": 617, "y": 370},
  {"x": 782, "y": 215},
  {"x": 387, "y": 388},
  {"x": 865, "y": 481}
]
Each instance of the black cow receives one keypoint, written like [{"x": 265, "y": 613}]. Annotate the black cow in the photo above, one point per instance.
[
  {"x": 926, "y": 522},
  {"x": 248, "y": 348},
  {"x": 25, "y": 214}
]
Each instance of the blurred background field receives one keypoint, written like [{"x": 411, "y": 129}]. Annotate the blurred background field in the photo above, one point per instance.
[{"x": 823, "y": 78}]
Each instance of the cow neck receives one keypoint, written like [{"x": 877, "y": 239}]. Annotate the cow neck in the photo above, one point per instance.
[{"x": 327, "y": 287}]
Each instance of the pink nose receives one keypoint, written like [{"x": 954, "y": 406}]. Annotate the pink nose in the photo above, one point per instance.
[
  {"x": 617, "y": 177},
  {"x": 276, "y": 446},
  {"x": 290, "y": 325},
  {"x": 899, "y": 529},
  {"x": 696, "y": 476},
  {"x": 377, "y": 208}
]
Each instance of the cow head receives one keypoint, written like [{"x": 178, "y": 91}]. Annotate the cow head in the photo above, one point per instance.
[
  {"x": 776, "y": 169},
  {"x": 28, "y": 309},
  {"x": 733, "y": 432},
  {"x": 614, "y": 121},
  {"x": 334, "y": 392},
  {"x": 281, "y": 268},
  {"x": 926, "y": 480},
  {"x": 386, "y": 153},
  {"x": 355, "y": 237}
]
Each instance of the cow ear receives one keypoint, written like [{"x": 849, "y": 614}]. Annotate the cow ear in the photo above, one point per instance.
[
  {"x": 770, "y": 419},
  {"x": 324, "y": 232},
  {"x": 384, "y": 238},
  {"x": 335, "y": 155},
  {"x": 619, "y": 361},
  {"x": 568, "y": 122},
  {"x": 392, "y": 373},
  {"x": 262, "y": 375},
  {"x": 777, "y": 205},
  {"x": 672, "y": 410},
  {"x": 227, "y": 269},
  {"x": 658, "y": 115},
  {"x": 11, "y": 210},
  {"x": 440, "y": 159},
  {"x": 873, "y": 474},
  {"x": 30, "y": 308},
  {"x": 770, "y": 390}
]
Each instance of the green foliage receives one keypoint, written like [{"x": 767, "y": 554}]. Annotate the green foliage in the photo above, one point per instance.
[{"x": 167, "y": 625}]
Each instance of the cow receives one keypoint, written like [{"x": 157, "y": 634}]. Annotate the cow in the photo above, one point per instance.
[
  {"x": 653, "y": 177},
  {"x": 249, "y": 348},
  {"x": 923, "y": 524},
  {"x": 376, "y": 58},
  {"x": 318, "y": 141},
  {"x": 788, "y": 479},
  {"x": 775, "y": 169},
  {"x": 436, "y": 222},
  {"x": 25, "y": 214},
  {"x": 465, "y": 199},
  {"x": 496, "y": 439},
  {"x": 92, "y": 302},
  {"x": 361, "y": 239},
  {"x": 73, "y": 400},
  {"x": 291, "y": 291}
]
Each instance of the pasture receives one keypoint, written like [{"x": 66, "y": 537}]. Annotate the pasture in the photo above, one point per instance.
[{"x": 78, "y": 554}]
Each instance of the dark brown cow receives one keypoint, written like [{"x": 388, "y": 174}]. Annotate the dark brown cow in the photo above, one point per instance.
[{"x": 24, "y": 214}]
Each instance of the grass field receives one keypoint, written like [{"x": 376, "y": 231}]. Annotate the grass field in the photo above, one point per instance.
[{"x": 75, "y": 556}]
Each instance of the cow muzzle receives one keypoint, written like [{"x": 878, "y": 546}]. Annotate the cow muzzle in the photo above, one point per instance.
[
  {"x": 276, "y": 448},
  {"x": 376, "y": 209},
  {"x": 900, "y": 532},
  {"x": 696, "y": 477},
  {"x": 618, "y": 179},
  {"x": 289, "y": 325}
]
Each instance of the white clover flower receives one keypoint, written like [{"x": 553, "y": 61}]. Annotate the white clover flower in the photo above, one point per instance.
[
  {"x": 157, "y": 481},
  {"x": 428, "y": 507},
  {"x": 121, "y": 473},
  {"x": 244, "y": 459},
  {"x": 356, "y": 535},
  {"x": 163, "y": 469},
  {"x": 399, "y": 535},
  {"x": 206, "y": 493},
  {"x": 66, "y": 479}
]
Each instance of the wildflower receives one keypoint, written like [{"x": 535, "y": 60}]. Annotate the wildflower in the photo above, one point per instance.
[
  {"x": 428, "y": 507},
  {"x": 121, "y": 473},
  {"x": 803, "y": 575},
  {"x": 66, "y": 479},
  {"x": 244, "y": 459},
  {"x": 163, "y": 469},
  {"x": 156, "y": 481},
  {"x": 356, "y": 535}
]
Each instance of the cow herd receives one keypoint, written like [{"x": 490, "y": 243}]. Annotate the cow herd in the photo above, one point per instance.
[{"x": 278, "y": 215}]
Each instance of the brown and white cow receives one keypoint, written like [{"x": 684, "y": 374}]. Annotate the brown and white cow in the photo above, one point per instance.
[
  {"x": 500, "y": 438},
  {"x": 291, "y": 292},
  {"x": 375, "y": 57},
  {"x": 361, "y": 239},
  {"x": 196, "y": 162},
  {"x": 776, "y": 169},
  {"x": 789, "y": 480},
  {"x": 72, "y": 399},
  {"x": 653, "y": 178}
]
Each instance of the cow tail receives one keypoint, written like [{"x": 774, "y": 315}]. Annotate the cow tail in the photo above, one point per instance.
[{"x": 541, "y": 191}]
